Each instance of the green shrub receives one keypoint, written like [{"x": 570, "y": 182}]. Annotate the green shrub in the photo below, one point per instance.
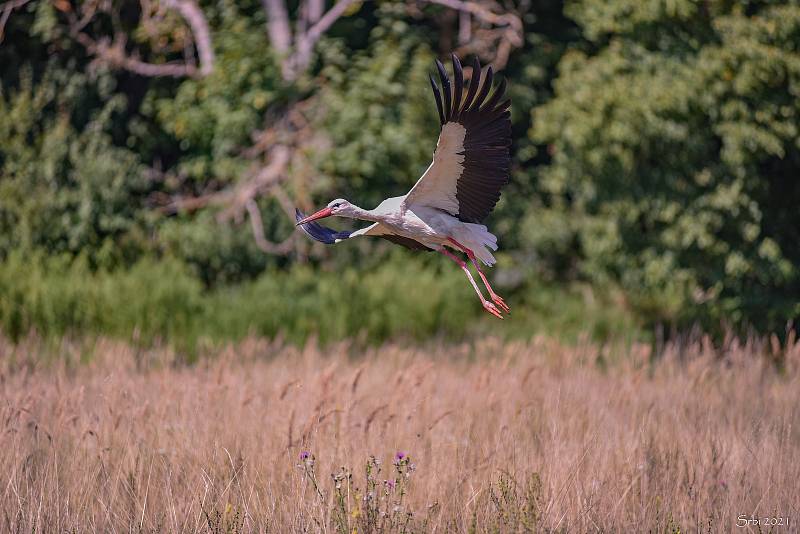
[
  {"x": 56, "y": 296},
  {"x": 65, "y": 189},
  {"x": 407, "y": 298}
]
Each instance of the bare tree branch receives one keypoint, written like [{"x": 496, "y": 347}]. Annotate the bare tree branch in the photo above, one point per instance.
[
  {"x": 88, "y": 10},
  {"x": 464, "y": 27},
  {"x": 257, "y": 226},
  {"x": 112, "y": 52},
  {"x": 506, "y": 33},
  {"x": 114, "y": 55},
  {"x": 235, "y": 199},
  {"x": 305, "y": 43},
  {"x": 283, "y": 199},
  {"x": 278, "y": 28},
  {"x": 315, "y": 10},
  {"x": 267, "y": 177},
  {"x": 296, "y": 59},
  {"x": 243, "y": 198},
  {"x": 5, "y": 13},
  {"x": 280, "y": 146},
  {"x": 482, "y": 12},
  {"x": 196, "y": 20}
]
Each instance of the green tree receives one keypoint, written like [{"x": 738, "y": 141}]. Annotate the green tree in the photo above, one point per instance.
[
  {"x": 63, "y": 189},
  {"x": 675, "y": 156}
]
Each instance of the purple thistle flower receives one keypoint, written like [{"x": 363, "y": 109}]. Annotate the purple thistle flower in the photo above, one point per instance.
[
  {"x": 305, "y": 455},
  {"x": 399, "y": 455}
]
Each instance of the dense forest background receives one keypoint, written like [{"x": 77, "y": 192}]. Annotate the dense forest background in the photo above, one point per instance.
[{"x": 152, "y": 153}]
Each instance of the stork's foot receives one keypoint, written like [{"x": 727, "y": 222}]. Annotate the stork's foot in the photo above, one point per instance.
[
  {"x": 491, "y": 308},
  {"x": 500, "y": 302}
]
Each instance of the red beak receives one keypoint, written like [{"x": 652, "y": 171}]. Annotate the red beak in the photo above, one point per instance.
[{"x": 321, "y": 214}]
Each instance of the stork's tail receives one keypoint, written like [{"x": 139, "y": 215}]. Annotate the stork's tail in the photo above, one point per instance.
[{"x": 481, "y": 241}]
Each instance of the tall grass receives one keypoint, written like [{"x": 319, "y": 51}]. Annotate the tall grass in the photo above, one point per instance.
[
  {"x": 515, "y": 437},
  {"x": 162, "y": 301}
]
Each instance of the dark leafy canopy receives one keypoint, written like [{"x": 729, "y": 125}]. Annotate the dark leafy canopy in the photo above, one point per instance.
[
  {"x": 675, "y": 158},
  {"x": 656, "y": 145}
]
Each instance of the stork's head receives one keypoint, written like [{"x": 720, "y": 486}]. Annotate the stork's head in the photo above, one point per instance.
[{"x": 339, "y": 207}]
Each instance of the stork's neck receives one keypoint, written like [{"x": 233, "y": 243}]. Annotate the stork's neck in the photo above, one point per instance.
[{"x": 367, "y": 215}]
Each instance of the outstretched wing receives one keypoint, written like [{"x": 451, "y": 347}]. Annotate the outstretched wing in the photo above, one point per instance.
[
  {"x": 329, "y": 236},
  {"x": 473, "y": 154}
]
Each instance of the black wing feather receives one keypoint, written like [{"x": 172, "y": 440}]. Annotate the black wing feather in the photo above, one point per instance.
[
  {"x": 487, "y": 142},
  {"x": 473, "y": 84},
  {"x": 487, "y": 85},
  {"x": 458, "y": 88},
  {"x": 448, "y": 104},
  {"x": 498, "y": 94},
  {"x": 438, "y": 96}
]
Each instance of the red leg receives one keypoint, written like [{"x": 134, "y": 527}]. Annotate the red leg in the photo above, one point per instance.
[
  {"x": 488, "y": 306},
  {"x": 471, "y": 255}
]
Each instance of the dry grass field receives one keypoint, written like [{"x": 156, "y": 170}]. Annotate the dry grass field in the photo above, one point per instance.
[{"x": 532, "y": 437}]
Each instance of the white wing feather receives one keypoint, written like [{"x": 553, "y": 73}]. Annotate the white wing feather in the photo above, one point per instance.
[
  {"x": 437, "y": 186},
  {"x": 373, "y": 229}
]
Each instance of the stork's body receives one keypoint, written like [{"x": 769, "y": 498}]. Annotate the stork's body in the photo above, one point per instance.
[
  {"x": 458, "y": 190},
  {"x": 430, "y": 227}
]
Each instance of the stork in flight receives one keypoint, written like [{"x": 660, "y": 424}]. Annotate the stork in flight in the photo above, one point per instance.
[{"x": 445, "y": 208}]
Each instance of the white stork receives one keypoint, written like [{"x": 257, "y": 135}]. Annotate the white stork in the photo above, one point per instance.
[{"x": 445, "y": 207}]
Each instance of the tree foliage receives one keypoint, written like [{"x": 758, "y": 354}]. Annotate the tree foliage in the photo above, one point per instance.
[
  {"x": 675, "y": 156},
  {"x": 656, "y": 143},
  {"x": 66, "y": 188}
]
